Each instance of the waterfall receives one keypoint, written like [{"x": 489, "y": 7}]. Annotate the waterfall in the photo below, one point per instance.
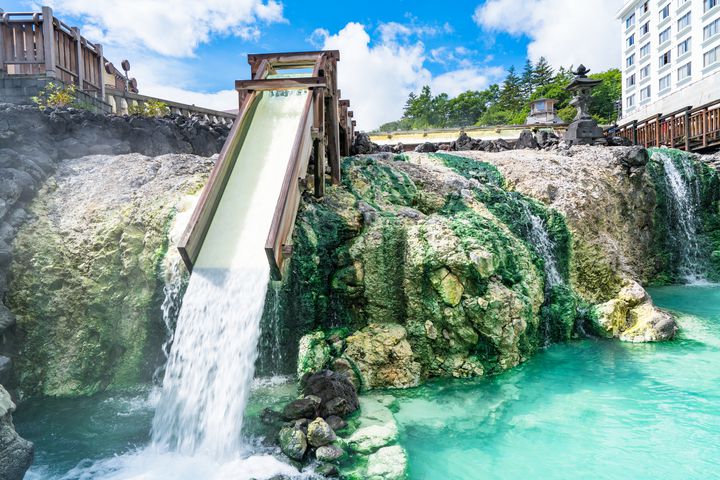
[
  {"x": 272, "y": 359},
  {"x": 210, "y": 368},
  {"x": 544, "y": 246},
  {"x": 683, "y": 220}
]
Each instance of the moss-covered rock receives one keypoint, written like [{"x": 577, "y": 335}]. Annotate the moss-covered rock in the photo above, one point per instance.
[{"x": 89, "y": 269}]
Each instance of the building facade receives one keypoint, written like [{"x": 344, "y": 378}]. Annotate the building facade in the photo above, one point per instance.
[{"x": 671, "y": 56}]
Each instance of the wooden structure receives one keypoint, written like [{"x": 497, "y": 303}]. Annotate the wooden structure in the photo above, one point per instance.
[
  {"x": 690, "y": 129},
  {"x": 318, "y": 143},
  {"x": 42, "y": 45}
]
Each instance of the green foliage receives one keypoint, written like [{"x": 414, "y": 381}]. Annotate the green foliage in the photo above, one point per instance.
[
  {"x": 151, "y": 108},
  {"x": 508, "y": 103},
  {"x": 55, "y": 95}
]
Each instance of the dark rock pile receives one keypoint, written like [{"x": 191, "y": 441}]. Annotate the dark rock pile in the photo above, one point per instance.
[
  {"x": 33, "y": 142},
  {"x": 308, "y": 425}
]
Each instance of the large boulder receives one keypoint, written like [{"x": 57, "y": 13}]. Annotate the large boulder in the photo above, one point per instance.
[
  {"x": 16, "y": 453},
  {"x": 526, "y": 140},
  {"x": 293, "y": 443},
  {"x": 427, "y": 147},
  {"x": 307, "y": 407},
  {"x": 319, "y": 433},
  {"x": 362, "y": 145},
  {"x": 336, "y": 393}
]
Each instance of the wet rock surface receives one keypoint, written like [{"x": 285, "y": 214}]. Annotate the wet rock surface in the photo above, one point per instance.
[{"x": 16, "y": 453}]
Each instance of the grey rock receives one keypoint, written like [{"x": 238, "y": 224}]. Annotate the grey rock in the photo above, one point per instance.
[
  {"x": 319, "y": 433},
  {"x": 337, "y": 393},
  {"x": 362, "y": 145},
  {"x": 427, "y": 147},
  {"x": 329, "y": 453},
  {"x": 327, "y": 470},
  {"x": 336, "y": 423},
  {"x": 526, "y": 141},
  {"x": 307, "y": 407},
  {"x": 5, "y": 369},
  {"x": 293, "y": 443},
  {"x": 7, "y": 319},
  {"x": 16, "y": 453}
]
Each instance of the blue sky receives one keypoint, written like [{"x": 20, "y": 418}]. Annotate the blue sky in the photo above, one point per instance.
[{"x": 193, "y": 51}]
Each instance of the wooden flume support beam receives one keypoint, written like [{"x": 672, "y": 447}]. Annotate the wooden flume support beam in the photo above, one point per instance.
[{"x": 325, "y": 130}]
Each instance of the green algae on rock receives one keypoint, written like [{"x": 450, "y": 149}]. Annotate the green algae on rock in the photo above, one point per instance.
[{"x": 88, "y": 271}]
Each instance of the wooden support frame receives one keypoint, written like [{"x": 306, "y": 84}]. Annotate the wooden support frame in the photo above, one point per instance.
[{"x": 318, "y": 135}]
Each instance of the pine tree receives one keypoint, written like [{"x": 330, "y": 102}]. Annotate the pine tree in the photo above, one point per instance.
[
  {"x": 527, "y": 80},
  {"x": 543, "y": 73},
  {"x": 511, "y": 97}
]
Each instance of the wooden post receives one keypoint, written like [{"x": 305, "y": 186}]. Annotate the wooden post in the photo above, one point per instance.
[
  {"x": 333, "y": 134},
  {"x": 319, "y": 142},
  {"x": 672, "y": 132},
  {"x": 687, "y": 130},
  {"x": 101, "y": 69},
  {"x": 2, "y": 46},
  {"x": 657, "y": 129},
  {"x": 634, "y": 132},
  {"x": 704, "y": 127},
  {"x": 48, "y": 29},
  {"x": 80, "y": 63}
]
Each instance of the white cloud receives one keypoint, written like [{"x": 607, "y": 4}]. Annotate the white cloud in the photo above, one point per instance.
[
  {"x": 378, "y": 77},
  {"x": 170, "y": 27},
  {"x": 566, "y": 32}
]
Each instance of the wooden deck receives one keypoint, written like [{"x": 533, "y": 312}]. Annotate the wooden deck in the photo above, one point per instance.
[
  {"x": 690, "y": 129},
  {"x": 325, "y": 131}
]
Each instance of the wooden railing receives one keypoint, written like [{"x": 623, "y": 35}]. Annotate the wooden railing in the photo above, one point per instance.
[
  {"x": 40, "y": 44},
  {"x": 689, "y": 129}
]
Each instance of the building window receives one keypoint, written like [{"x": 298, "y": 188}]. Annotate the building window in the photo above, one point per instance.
[
  {"x": 665, "y": 36},
  {"x": 684, "y": 47},
  {"x": 629, "y": 21},
  {"x": 710, "y": 4},
  {"x": 645, "y": 29},
  {"x": 684, "y": 72},
  {"x": 645, "y": 93},
  {"x": 631, "y": 40},
  {"x": 630, "y": 61},
  {"x": 645, "y": 50},
  {"x": 711, "y": 29},
  {"x": 645, "y": 71},
  {"x": 630, "y": 102},
  {"x": 665, "y": 82},
  {"x": 665, "y": 59},
  {"x": 664, "y": 13},
  {"x": 645, "y": 7},
  {"x": 684, "y": 22},
  {"x": 630, "y": 82},
  {"x": 711, "y": 57}
]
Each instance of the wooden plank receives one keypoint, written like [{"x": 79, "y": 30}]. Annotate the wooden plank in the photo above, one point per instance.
[
  {"x": 79, "y": 54},
  {"x": 289, "y": 199},
  {"x": 194, "y": 235},
  {"x": 279, "y": 83},
  {"x": 687, "y": 130},
  {"x": 333, "y": 135},
  {"x": 319, "y": 143}
]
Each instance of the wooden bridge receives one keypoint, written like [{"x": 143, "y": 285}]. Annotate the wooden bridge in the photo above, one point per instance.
[
  {"x": 690, "y": 129},
  {"x": 325, "y": 132}
]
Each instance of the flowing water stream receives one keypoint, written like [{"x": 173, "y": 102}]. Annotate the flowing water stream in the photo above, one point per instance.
[
  {"x": 544, "y": 245},
  {"x": 684, "y": 221}
]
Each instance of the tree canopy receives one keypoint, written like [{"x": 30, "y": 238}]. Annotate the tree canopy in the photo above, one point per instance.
[{"x": 508, "y": 103}]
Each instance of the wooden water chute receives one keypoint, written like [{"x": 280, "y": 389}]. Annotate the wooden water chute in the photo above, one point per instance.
[{"x": 317, "y": 143}]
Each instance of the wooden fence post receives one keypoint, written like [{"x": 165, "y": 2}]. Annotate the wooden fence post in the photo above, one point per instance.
[
  {"x": 657, "y": 129},
  {"x": 101, "y": 69},
  {"x": 2, "y": 46},
  {"x": 635, "y": 133},
  {"x": 672, "y": 131},
  {"x": 80, "y": 62},
  {"x": 687, "y": 130},
  {"x": 704, "y": 127},
  {"x": 48, "y": 29}
]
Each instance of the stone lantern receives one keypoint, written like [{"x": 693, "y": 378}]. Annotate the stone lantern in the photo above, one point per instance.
[
  {"x": 542, "y": 111},
  {"x": 584, "y": 130}
]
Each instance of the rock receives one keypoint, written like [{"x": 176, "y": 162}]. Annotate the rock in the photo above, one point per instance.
[
  {"x": 343, "y": 367},
  {"x": 547, "y": 139},
  {"x": 313, "y": 353},
  {"x": 649, "y": 325},
  {"x": 293, "y": 443},
  {"x": 362, "y": 145},
  {"x": 337, "y": 395},
  {"x": 464, "y": 142},
  {"x": 388, "y": 463},
  {"x": 329, "y": 453},
  {"x": 526, "y": 140},
  {"x": 371, "y": 438},
  {"x": 5, "y": 369},
  {"x": 633, "y": 159},
  {"x": 268, "y": 416},
  {"x": 7, "y": 319},
  {"x": 448, "y": 286},
  {"x": 427, "y": 147},
  {"x": 336, "y": 423},
  {"x": 16, "y": 453},
  {"x": 619, "y": 142},
  {"x": 319, "y": 433},
  {"x": 383, "y": 356},
  {"x": 307, "y": 407},
  {"x": 327, "y": 470}
]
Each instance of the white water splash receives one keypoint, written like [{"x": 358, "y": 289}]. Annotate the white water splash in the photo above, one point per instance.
[
  {"x": 685, "y": 221},
  {"x": 545, "y": 247}
]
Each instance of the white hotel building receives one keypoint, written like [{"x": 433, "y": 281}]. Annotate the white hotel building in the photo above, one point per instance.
[{"x": 671, "y": 56}]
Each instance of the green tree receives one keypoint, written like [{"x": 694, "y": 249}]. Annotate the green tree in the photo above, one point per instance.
[
  {"x": 605, "y": 96},
  {"x": 527, "y": 79},
  {"x": 543, "y": 73}
]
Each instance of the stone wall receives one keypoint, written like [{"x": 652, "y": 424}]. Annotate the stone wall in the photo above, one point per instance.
[
  {"x": 19, "y": 89},
  {"x": 33, "y": 143}
]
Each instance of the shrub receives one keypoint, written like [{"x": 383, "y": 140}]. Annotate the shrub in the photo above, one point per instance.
[
  {"x": 55, "y": 95},
  {"x": 151, "y": 108}
]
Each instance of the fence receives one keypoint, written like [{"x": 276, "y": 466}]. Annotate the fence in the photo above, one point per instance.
[{"x": 689, "y": 129}]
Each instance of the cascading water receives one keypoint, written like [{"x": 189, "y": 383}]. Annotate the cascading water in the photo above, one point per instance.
[
  {"x": 272, "y": 358},
  {"x": 540, "y": 238},
  {"x": 683, "y": 221},
  {"x": 210, "y": 370}
]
